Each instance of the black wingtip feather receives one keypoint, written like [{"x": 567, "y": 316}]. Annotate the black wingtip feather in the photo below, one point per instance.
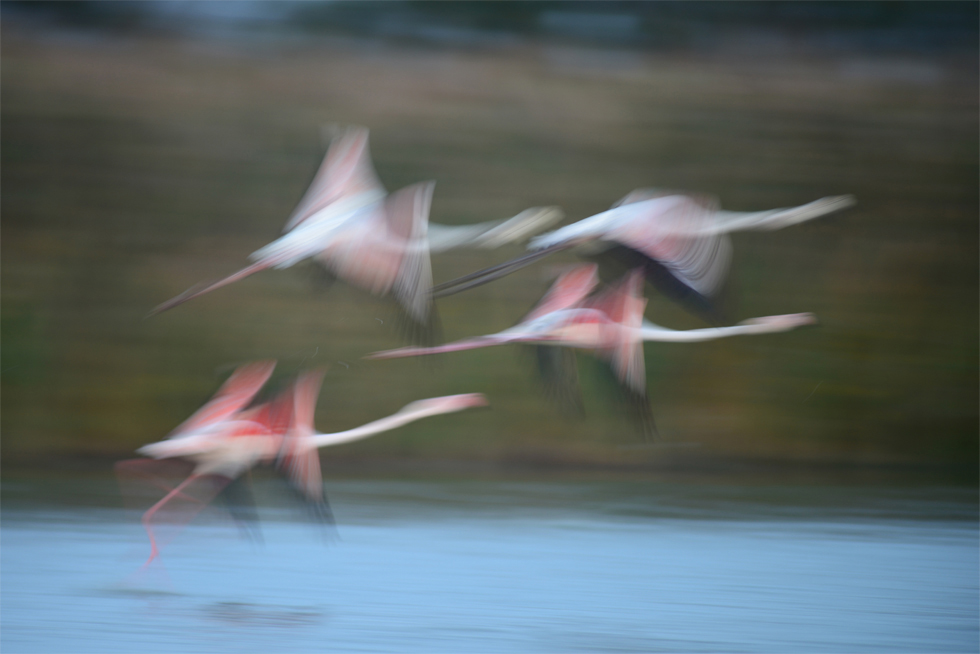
[
  {"x": 638, "y": 406},
  {"x": 237, "y": 497},
  {"x": 622, "y": 258},
  {"x": 558, "y": 371},
  {"x": 421, "y": 333}
]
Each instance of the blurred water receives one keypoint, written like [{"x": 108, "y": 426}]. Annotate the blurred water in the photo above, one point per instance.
[{"x": 503, "y": 565}]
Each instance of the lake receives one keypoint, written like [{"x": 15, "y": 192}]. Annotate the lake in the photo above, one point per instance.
[{"x": 502, "y": 565}]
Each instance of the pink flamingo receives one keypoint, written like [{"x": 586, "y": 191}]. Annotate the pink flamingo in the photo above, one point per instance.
[
  {"x": 223, "y": 439},
  {"x": 348, "y": 223},
  {"x": 679, "y": 241},
  {"x": 611, "y": 323}
]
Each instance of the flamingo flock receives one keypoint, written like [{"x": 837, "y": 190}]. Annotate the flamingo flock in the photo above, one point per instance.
[{"x": 381, "y": 242}]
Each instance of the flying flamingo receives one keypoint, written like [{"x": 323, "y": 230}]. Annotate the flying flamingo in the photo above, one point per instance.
[
  {"x": 679, "y": 241},
  {"x": 610, "y": 323},
  {"x": 223, "y": 439},
  {"x": 348, "y": 223}
]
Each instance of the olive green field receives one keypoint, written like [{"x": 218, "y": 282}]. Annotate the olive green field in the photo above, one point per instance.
[{"x": 137, "y": 165}]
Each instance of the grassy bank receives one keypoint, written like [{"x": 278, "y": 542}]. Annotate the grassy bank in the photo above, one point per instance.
[{"x": 137, "y": 166}]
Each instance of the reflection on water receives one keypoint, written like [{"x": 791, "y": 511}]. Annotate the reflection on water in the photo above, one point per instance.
[{"x": 496, "y": 565}]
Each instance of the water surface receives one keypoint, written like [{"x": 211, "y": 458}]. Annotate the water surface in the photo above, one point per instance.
[{"x": 502, "y": 566}]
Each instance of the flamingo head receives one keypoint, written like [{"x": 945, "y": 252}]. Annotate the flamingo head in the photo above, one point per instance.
[
  {"x": 782, "y": 323},
  {"x": 446, "y": 404}
]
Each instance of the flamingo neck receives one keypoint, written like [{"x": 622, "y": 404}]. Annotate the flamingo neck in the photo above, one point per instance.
[
  {"x": 370, "y": 429},
  {"x": 650, "y": 332}
]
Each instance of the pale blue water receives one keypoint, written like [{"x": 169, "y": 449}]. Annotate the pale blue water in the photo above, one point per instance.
[{"x": 504, "y": 566}]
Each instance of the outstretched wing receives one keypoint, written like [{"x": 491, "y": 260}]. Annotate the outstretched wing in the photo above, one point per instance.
[
  {"x": 233, "y": 395},
  {"x": 273, "y": 417},
  {"x": 624, "y": 304},
  {"x": 567, "y": 291},
  {"x": 407, "y": 213},
  {"x": 676, "y": 231},
  {"x": 384, "y": 250},
  {"x": 299, "y": 459},
  {"x": 346, "y": 170},
  {"x": 558, "y": 370}
]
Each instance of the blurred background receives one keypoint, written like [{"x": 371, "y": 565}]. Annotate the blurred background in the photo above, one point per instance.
[
  {"x": 813, "y": 491},
  {"x": 149, "y": 146}
]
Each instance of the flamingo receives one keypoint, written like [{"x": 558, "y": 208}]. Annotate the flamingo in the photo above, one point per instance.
[
  {"x": 220, "y": 439},
  {"x": 348, "y": 223},
  {"x": 223, "y": 439},
  {"x": 610, "y": 323},
  {"x": 679, "y": 241}
]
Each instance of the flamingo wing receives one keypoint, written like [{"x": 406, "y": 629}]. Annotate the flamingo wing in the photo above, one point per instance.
[
  {"x": 624, "y": 304},
  {"x": 233, "y": 395},
  {"x": 384, "y": 250},
  {"x": 558, "y": 370},
  {"x": 407, "y": 213},
  {"x": 567, "y": 291},
  {"x": 273, "y": 417},
  {"x": 346, "y": 171},
  {"x": 644, "y": 194},
  {"x": 676, "y": 232},
  {"x": 299, "y": 459}
]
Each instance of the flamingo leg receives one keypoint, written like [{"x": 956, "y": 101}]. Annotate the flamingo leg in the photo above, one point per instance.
[
  {"x": 198, "y": 290},
  {"x": 148, "y": 516},
  {"x": 487, "y": 275},
  {"x": 157, "y": 473}
]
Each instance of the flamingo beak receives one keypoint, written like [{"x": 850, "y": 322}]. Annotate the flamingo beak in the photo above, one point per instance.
[
  {"x": 800, "y": 319},
  {"x": 472, "y": 400}
]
